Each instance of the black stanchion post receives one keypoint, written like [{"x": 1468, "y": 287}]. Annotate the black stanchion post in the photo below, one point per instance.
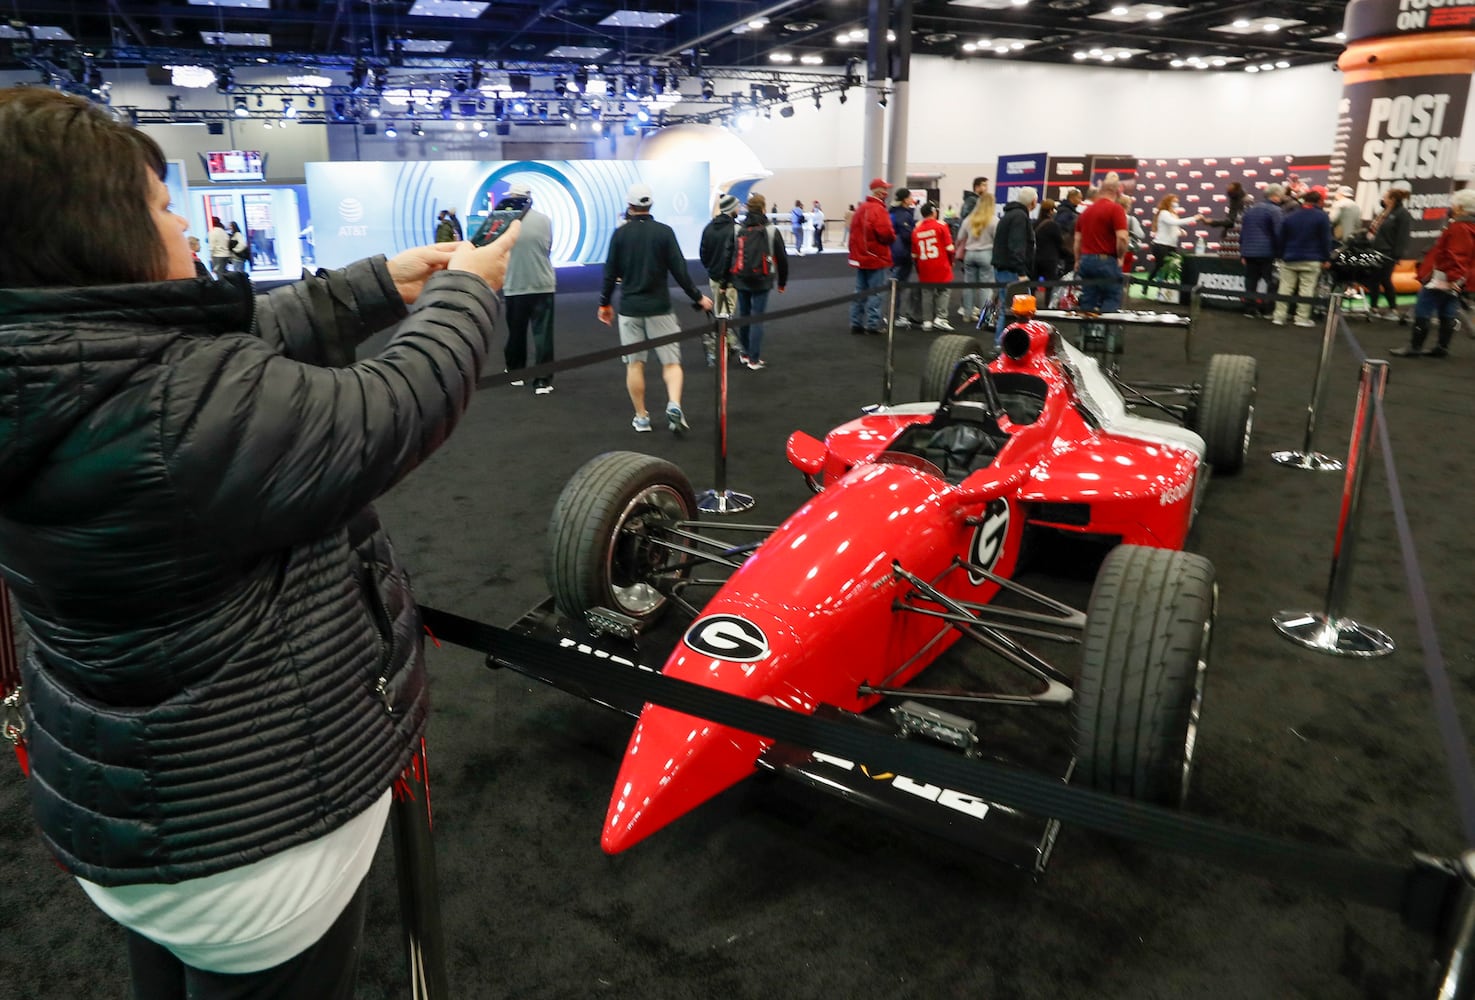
[
  {"x": 1308, "y": 458},
  {"x": 890, "y": 372},
  {"x": 12, "y": 723},
  {"x": 419, "y": 889},
  {"x": 1457, "y": 981},
  {"x": 720, "y": 499},
  {"x": 1330, "y": 631},
  {"x": 1195, "y": 306}
]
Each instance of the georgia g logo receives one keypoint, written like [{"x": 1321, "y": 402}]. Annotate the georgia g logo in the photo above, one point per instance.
[
  {"x": 988, "y": 540},
  {"x": 728, "y": 637}
]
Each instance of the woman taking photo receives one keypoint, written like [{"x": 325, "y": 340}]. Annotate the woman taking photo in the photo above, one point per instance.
[
  {"x": 1167, "y": 232},
  {"x": 225, "y": 673}
]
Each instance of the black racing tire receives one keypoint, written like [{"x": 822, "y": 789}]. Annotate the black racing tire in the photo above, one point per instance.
[
  {"x": 598, "y": 549},
  {"x": 942, "y": 357},
  {"x": 1225, "y": 414},
  {"x": 1149, "y": 624}
]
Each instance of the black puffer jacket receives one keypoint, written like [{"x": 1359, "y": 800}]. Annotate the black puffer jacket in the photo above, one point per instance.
[{"x": 226, "y": 655}]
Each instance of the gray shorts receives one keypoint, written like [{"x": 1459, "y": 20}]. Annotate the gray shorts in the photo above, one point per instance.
[{"x": 638, "y": 329}]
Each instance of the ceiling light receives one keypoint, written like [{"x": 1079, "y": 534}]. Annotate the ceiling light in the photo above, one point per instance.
[
  {"x": 288, "y": 111},
  {"x": 1272, "y": 26},
  {"x": 416, "y": 129},
  {"x": 389, "y": 130},
  {"x": 812, "y": 60},
  {"x": 1119, "y": 11},
  {"x": 241, "y": 110},
  {"x": 1241, "y": 22},
  {"x": 481, "y": 133},
  {"x": 1080, "y": 55},
  {"x": 1282, "y": 64},
  {"x": 1154, "y": 15},
  {"x": 225, "y": 80}
]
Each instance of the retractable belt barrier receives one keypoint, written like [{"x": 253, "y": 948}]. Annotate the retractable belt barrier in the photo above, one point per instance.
[
  {"x": 690, "y": 333},
  {"x": 1423, "y": 891},
  {"x": 1451, "y": 731}
]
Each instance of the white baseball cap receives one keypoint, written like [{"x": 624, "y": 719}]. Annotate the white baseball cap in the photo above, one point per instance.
[{"x": 639, "y": 195}]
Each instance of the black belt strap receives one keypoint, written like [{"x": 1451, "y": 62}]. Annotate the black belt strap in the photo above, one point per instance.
[{"x": 1422, "y": 891}]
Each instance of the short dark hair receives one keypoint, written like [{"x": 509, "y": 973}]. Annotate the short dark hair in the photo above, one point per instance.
[
  {"x": 979, "y": 180},
  {"x": 1312, "y": 197},
  {"x": 76, "y": 189},
  {"x": 928, "y": 210}
]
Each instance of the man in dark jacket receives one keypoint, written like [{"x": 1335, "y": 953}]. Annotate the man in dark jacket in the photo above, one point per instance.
[
  {"x": 715, "y": 251},
  {"x": 871, "y": 237},
  {"x": 903, "y": 221},
  {"x": 1259, "y": 237},
  {"x": 1066, "y": 215},
  {"x": 1305, "y": 250},
  {"x": 1014, "y": 247},
  {"x": 642, "y": 253}
]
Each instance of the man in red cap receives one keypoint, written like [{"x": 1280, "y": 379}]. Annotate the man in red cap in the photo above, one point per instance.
[{"x": 871, "y": 236}]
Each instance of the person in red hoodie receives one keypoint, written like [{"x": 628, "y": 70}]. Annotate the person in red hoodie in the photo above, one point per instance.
[
  {"x": 1446, "y": 271},
  {"x": 932, "y": 253},
  {"x": 871, "y": 236}
]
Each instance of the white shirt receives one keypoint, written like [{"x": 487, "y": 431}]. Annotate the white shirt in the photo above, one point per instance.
[
  {"x": 219, "y": 242},
  {"x": 256, "y": 916},
  {"x": 1169, "y": 229}
]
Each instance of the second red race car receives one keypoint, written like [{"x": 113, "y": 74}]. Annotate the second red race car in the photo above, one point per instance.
[{"x": 911, "y": 542}]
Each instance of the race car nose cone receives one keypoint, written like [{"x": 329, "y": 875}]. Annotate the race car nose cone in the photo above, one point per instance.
[{"x": 675, "y": 762}]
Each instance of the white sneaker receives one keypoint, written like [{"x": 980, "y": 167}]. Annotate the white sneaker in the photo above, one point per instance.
[
  {"x": 963, "y": 311},
  {"x": 927, "y": 324},
  {"x": 1305, "y": 322},
  {"x": 902, "y": 322},
  {"x": 1277, "y": 322},
  {"x": 943, "y": 324}
]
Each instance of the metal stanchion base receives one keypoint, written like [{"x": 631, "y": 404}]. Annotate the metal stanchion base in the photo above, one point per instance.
[
  {"x": 1314, "y": 461},
  {"x": 725, "y": 502},
  {"x": 1339, "y": 637}
]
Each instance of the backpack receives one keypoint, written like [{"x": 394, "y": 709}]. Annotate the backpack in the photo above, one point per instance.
[{"x": 753, "y": 255}]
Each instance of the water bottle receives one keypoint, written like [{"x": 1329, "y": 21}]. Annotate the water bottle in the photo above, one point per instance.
[{"x": 1200, "y": 247}]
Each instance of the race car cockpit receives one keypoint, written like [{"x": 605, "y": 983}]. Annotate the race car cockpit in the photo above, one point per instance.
[{"x": 964, "y": 435}]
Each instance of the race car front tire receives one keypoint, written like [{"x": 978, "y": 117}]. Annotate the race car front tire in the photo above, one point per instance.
[
  {"x": 1144, "y": 656},
  {"x": 599, "y": 552},
  {"x": 1225, "y": 416},
  {"x": 942, "y": 357}
]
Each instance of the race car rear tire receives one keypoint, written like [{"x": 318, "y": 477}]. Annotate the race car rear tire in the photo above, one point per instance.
[
  {"x": 1145, "y": 653},
  {"x": 1225, "y": 415},
  {"x": 598, "y": 549},
  {"x": 942, "y": 357}
]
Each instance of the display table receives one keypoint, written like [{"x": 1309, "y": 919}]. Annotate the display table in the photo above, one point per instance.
[{"x": 1220, "y": 280}]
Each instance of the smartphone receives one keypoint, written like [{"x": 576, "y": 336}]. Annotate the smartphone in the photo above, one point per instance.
[{"x": 496, "y": 223}]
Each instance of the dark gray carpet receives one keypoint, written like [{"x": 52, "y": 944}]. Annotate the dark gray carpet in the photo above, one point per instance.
[{"x": 769, "y": 893}]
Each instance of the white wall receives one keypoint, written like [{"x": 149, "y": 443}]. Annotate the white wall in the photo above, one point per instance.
[{"x": 973, "y": 112}]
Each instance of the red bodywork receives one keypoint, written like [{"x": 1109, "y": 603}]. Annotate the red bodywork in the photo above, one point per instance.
[{"x": 811, "y": 616}]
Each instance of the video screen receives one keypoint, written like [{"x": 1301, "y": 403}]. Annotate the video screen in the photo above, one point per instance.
[{"x": 234, "y": 165}]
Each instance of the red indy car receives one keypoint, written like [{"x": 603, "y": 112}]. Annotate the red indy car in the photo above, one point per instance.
[{"x": 911, "y": 542}]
